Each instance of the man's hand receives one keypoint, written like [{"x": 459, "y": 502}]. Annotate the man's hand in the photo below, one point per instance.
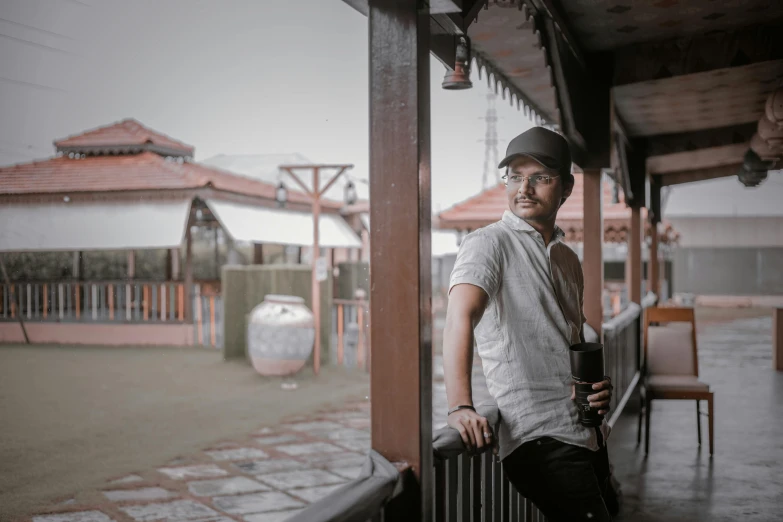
[
  {"x": 601, "y": 399},
  {"x": 473, "y": 428}
]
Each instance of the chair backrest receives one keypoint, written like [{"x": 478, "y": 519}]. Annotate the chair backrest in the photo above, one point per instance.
[{"x": 670, "y": 344}]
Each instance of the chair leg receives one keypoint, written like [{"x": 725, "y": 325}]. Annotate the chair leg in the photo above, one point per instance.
[
  {"x": 698, "y": 420},
  {"x": 647, "y": 408},
  {"x": 711, "y": 424},
  {"x": 639, "y": 423}
]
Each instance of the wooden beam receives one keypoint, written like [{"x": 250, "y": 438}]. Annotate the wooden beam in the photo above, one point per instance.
[
  {"x": 697, "y": 159},
  {"x": 592, "y": 262},
  {"x": 703, "y": 139},
  {"x": 688, "y": 176},
  {"x": 400, "y": 278},
  {"x": 657, "y": 60}
]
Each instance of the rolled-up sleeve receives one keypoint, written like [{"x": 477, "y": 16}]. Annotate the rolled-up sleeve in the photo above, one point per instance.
[{"x": 478, "y": 264}]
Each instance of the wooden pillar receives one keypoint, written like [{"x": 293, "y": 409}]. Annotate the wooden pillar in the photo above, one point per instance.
[
  {"x": 215, "y": 233},
  {"x": 400, "y": 279},
  {"x": 633, "y": 261},
  {"x": 169, "y": 265},
  {"x": 175, "y": 264},
  {"x": 777, "y": 339},
  {"x": 188, "y": 274},
  {"x": 258, "y": 253},
  {"x": 131, "y": 264},
  {"x": 78, "y": 266},
  {"x": 653, "y": 266},
  {"x": 316, "y": 284},
  {"x": 592, "y": 261}
]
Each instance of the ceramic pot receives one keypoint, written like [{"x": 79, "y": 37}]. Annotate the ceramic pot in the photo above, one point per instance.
[{"x": 280, "y": 335}]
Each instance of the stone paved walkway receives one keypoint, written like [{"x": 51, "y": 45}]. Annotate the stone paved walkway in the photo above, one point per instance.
[{"x": 265, "y": 477}]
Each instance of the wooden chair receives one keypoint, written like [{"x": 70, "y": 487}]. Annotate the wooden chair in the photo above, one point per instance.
[{"x": 671, "y": 367}]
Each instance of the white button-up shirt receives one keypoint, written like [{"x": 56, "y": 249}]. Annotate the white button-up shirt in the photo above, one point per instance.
[{"x": 533, "y": 315}]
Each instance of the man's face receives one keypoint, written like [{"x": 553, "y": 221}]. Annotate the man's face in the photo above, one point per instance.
[{"x": 530, "y": 197}]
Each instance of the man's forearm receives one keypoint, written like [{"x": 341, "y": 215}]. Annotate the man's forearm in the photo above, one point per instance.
[{"x": 458, "y": 361}]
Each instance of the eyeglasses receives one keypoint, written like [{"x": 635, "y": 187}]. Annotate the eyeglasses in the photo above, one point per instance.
[{"x": 516, "y": 180}]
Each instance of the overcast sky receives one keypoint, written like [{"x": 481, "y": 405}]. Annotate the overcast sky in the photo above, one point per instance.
[{"x": 226, "y": 76}]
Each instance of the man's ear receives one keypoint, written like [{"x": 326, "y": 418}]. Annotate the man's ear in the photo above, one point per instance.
[{"x": 567, "y": 189}]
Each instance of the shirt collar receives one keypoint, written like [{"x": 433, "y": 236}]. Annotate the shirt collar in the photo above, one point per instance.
[{"x": 521, "y": 225}]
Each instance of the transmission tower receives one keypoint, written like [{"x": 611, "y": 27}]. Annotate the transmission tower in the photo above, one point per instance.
[{"x": 490, "y": 145}]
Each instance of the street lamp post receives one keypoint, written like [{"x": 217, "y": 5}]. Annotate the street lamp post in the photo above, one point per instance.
[{"x": 315, "y": 200}]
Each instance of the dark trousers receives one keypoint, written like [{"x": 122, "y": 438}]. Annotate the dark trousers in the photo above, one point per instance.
[{"x": 565, "y": 482}]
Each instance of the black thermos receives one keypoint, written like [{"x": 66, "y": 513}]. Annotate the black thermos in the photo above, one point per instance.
[{"x": 587, "y": 368}]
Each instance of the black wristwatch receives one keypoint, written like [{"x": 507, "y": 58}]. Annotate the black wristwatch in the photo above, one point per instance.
[{"x": 461, "y": 407}]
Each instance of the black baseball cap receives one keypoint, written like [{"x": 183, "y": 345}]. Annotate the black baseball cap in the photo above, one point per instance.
[{"x": 543, "y": 145}]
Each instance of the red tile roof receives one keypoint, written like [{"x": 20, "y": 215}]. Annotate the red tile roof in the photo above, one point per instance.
[
  {"x": 127, "y": 132},
  {"x": 130, "y": 172},
  {"x": 488, "y": 207}
]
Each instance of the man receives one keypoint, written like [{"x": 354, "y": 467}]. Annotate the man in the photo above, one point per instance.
[{"x": 519, "y": 290}]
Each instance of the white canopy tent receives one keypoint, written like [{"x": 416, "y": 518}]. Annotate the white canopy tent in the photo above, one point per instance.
[
  {"x": 282, "y": 227},
  {"x": 47, "y": 227}
]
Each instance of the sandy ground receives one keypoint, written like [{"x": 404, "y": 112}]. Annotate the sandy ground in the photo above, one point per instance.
[{"x": 73, "y": 417}]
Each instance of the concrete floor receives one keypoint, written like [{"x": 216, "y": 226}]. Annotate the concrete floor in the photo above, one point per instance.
[{"x": 744, "y": 480}]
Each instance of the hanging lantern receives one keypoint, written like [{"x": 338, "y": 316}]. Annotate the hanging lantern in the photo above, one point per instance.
[
  {"x": 459, "y": 78},
  {"x": 281, "y": 195},
  {"x": 753, "y": 170},
  {"x": 349, "y": 193}
]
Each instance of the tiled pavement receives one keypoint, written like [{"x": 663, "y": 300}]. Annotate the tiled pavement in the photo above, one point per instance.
[{"x": 265, "y": 477}]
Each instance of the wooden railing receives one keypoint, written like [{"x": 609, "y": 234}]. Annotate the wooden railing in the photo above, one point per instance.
[
  {"x": 94, "y": 301},
  {"x": 473, "y": 488},
  {"x": 135, "y": 302},
  {"x": 208, "y": 316},
  {"x": 350, "y": 320},
  {"x": 622, "y": 352}
]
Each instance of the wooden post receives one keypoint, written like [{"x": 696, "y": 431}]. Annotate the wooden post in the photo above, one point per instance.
[
  {"x": 175, "y": 264},
  {"x": 131, "y": 264},
  {"x": 633, "y": 261},
  {"x": 188, "y": 274},
  {"x": 593, "y": 263},
  {"x": 169, "y": 265},
  {"x": 340, "y": 338},
  {"x": 777, "y": 339},
  {"x": 401, "y": 279},
  {"x": 258, "y": 253},
  {"x": 315, "y": 283},
  {"x": 653, "y": 267}
]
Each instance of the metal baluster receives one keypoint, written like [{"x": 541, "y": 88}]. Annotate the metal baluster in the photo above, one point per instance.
[
  {"x": 162, "y": 289},
  {"x": 137, "y": 301},
  {"x": 439, "y": 497},
  {"x": 452, "y": 485},
  {"x": 464, "y": 487},
  {"x": 94, "y": 302},
  {"x": 29, "y": 299},
  {"x": 475, "y": 496},
  {"x": 497, "y": 496},
  {"x": 486, "y": 486},
  {"x": 154, "y": 300},
  {"x": 61, "y": 300}
]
